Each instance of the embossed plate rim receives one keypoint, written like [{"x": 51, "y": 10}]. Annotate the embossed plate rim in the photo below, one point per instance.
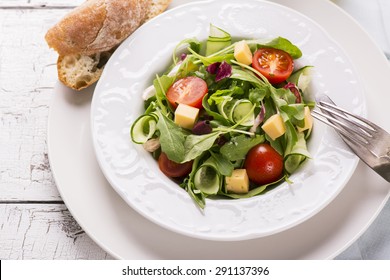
[{"x": 156, "y": 216}]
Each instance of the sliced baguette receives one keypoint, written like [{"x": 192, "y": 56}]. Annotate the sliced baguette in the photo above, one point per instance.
[{"x": 87, "y": 36}]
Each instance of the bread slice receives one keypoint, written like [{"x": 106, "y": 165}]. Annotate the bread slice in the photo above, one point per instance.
[
  {"x": 86, "y": 38},
  {"x": 80, "y": 71}
]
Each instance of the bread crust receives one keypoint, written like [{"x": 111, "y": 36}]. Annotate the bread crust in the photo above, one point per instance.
[
  {"x": 97, "y": 26},
  {"x": 86, "y": 37}
]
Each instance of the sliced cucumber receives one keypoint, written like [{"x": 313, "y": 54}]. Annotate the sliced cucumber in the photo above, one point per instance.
[
  {"x": 216, "y": 32},
  {"x": 143, "y": 128},
  {"x": 242, "y": 113},
  {"x": 236, "y": 110},
  {"x": 207, "y": 179},
  {"x": 225, "y": 106},
  {"x": 218, "y": 40}
]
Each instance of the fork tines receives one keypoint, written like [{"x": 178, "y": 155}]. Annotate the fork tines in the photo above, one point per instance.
[{"x": 354, "y": 127}]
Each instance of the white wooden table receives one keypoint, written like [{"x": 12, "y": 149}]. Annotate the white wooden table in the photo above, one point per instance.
[{"x": 34, "y": 221}]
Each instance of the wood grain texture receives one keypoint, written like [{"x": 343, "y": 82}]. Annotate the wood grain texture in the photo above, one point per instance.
[
  {"x": 34, "y": 222},
  {"x": 27, "y": 76},
  {"x": 35, "y": 231}
]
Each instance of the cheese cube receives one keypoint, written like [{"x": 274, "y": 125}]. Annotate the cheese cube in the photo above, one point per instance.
[
  {"x": 242, "y": 53},
  {"x": 308, "y": 121},
  {"x": 238, "y": 182},
  {"x": 274, "y": 126},
  {"x": 186, "y": 116}
]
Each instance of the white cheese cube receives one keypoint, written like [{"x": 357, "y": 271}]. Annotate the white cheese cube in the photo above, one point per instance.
[
  {"x": 308, "y": 121},
  {"x": 274, "y": 126},
  {"x": 186, "y": 116},
  {"x": 238, "y": 182},
  {"x": 242, "y": 53}
]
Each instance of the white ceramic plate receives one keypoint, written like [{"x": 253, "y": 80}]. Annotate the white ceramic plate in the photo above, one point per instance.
[
  {"x": 125, "y": 234},
  {"x": 134, "y": 174}
]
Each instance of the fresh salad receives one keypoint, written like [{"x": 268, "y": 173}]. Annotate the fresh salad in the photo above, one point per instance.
[{"x": 229, "y": 118}]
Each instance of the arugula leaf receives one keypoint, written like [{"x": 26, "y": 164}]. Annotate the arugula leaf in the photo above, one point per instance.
[
  {"x": 244, "y": 75},
  {"x": 193, "y": 43},
  {"x": 161, "y": 85},
  {"x": 212, "y": 113},
  {"x": 253, "y": 192},
  {"x": 295, "y": 112},
  {"x": 239, "y": 146},
  {"x": 297, "y": 154},
  {"x": 172, "y": 138},
  {"x": 256, "y": 95},
  {"x": 224, "y": 166},
  {"x": 218, "y": 96},
  {"x": 284, "y": 45},
  {"x": 195, "y": 145},
  {"x": 291, "y": 137}
]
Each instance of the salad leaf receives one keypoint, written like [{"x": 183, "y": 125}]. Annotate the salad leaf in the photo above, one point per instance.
[
  {"x": 239, "y": 146},
  {"x": 245, "y": 75},
  {"x": 256, "y": 95},
  {"x": 195, "y": 145},
  {"x": 212, "y": 113},
  {"x": 162, "y": 84},
  {"x": 295, "y": 112},
  {"x": 284, "y": 45},
  {"x": 193, "y": 43},
  {"x": 224, "y": 166},
  {"x": 255, "y": 191},
  {"x": 224, "y": 71},
  {"x": 297, "y": 154},
  {"x": 172, "y": 138}
]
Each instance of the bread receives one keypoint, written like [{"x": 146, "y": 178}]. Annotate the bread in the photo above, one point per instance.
[{"x": 87, "y": 36}]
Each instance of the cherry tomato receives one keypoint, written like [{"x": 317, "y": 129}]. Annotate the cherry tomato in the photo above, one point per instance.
[
  {"x": 276, "y": 65},
  {"x": 263, "y": 164},
  {"x": 189, "y": 91},
  {"x": 173, "y": 169}
]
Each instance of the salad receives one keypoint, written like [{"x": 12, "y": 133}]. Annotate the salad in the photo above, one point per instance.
[{"x": 229, "y": 118}]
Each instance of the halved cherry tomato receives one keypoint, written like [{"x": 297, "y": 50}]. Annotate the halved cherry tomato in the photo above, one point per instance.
[
  {"x": 173, "y": 169},
  {"x": 263, "y": 164},
  {"x": 276, "y": 65},
  {"x": 189, "y": 91}
]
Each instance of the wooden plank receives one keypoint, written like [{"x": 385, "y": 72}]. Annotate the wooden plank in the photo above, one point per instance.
[
  {"x": 39, "y": 231},
  {"x": 27, "y": 76},
  {"x": 36, "y": 4}
]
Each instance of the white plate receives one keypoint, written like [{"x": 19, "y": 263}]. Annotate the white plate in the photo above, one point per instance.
[
  {"x": 134, "y": 174},
  {"x": 125, "y": 234}
]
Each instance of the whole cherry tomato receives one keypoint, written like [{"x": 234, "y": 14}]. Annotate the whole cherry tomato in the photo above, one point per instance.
[
  {"x": 173, "y": 169},
  {"x": 263, "y": 164}
]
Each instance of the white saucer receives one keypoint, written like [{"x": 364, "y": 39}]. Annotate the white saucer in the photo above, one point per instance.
[{"x": 125, "y": 234}]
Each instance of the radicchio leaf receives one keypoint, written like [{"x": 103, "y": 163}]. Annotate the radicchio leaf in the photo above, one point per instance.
[
  {"x": 221, "y": 70},
  {"x": 213, "y": 68},
  {"x": 224, "y": 71},
  {"x": 294, "y": 89}
]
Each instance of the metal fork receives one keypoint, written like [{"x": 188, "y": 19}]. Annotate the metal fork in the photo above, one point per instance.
[{"x": 367, "y": 140}]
